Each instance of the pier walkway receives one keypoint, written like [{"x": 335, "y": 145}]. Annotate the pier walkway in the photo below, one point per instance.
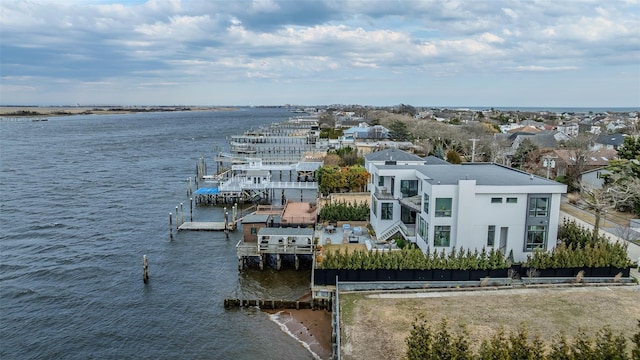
[{"x": 205, "y": 226}]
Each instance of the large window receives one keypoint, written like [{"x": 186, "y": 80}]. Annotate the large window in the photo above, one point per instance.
[
  {"x": 491, "y": 235},
  {"x": 536, "y": 237},
  {"x": 425, "y": 203},
  {"x": 380, "y": 180},
  {"x": 443, "y": 207},
  {"x": 538, "y": 207},
  {"x": 409, "y": 187},
  {"x": 441, "y": 236},
  {"x": 423, "y": 229},
  {"x": 386, "y": 211},
  {"x": 407, "y": 216},
  {"x": 375, "y": 206}
]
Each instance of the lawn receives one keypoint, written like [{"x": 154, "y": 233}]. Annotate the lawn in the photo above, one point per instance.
[{"x": 376, "y": 328}]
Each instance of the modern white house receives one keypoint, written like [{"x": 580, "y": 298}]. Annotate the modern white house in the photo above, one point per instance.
[{"x": 438, "y": 205}]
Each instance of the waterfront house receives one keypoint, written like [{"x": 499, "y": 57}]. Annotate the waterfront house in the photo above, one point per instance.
[
  {"x": 439, "y": 206},
  {"x": 251, "y": 224}
]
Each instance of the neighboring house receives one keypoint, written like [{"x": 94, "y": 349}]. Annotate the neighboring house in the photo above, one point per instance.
[
  {"x": 444, "y": 206},
  {"x": 593, "y": 178},
  {"x": 570, "y": 129},
  {"x": 543, "y": 140},
  {"x": 532, "y": 123},
  {"x": 608, "y": 141},
  {"x": 561, "y": 162},
  {"x": 525, "y": 129},
  {"x": 364, "y": 131}
]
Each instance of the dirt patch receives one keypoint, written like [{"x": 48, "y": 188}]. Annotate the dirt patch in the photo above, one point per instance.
[{"x": 376, "y": 328}]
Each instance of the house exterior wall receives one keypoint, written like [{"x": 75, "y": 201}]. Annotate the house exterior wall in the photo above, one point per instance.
[
  {"x": 250, "y": 231},
  {"x": 473, "y": 209},
  {"x": 593, "y": 179}
]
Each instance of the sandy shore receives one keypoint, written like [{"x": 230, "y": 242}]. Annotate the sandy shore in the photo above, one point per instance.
[
  {"x": 312, "y": 328},
  {"x": 38, "y": 111}
]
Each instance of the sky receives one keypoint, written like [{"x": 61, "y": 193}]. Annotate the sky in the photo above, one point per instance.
[{"x": 532, "y": 53}]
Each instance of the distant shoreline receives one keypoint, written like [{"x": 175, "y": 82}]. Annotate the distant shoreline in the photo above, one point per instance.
[{"x": 52, "y": 111}]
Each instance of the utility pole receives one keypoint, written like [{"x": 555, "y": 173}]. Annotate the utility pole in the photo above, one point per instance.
[
  {"x": 473, "y": 150},
  {"x": 549, "y": 162}
]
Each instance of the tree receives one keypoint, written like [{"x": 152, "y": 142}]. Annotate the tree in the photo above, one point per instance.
[
  {"x": 357, "y": 178},
  {"x": 630, "y": 149},
  {"x": 453, "y": 157},
  {"x": 327, "y": 118},
  {"x": 635, "y": 352},
  {"x": 523, "y": 153},
  {"x": 407, "y": 109},
  {"x": 438, "y": 152},
  {"x": 579, "y": 154},
  {"x": 398, "y": 131},
  {"x": 419, "y": 341}
]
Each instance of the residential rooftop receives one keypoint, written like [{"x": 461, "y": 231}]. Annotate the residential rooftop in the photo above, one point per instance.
[{"x": 488, "y": 174}]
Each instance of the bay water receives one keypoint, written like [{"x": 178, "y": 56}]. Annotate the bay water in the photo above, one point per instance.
[{"x": 82, "y": 199}]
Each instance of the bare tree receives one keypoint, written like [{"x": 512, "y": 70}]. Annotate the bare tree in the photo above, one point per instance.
[{"x": 602, "y": 200}]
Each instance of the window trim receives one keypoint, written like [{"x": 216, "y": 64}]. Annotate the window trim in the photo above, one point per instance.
[
  {"x": 386, "y": 211},
  {"x": 530, "y": 246},
  {"x": 491, "y": 235},
  {"x": 437, "y": 231},
  {"x": 410, "y": 191},
  {"x": 534, "y": 211},
  {"x": 425, "y": 203},
  {"x": 445, "y": 212}
]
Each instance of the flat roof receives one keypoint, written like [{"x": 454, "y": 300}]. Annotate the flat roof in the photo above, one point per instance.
[
  {"x": 392, "y": 155},
  {"x": 482, "y": 173},
  {"x": 256, "y": 218},
  {"x": 285, "y": 231},
  {"x": 308, "y": 166}
]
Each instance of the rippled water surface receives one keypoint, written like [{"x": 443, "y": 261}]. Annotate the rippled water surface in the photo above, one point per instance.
[{"x": 83, "y": 198}]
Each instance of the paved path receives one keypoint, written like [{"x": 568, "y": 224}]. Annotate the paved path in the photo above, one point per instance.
[{"x": 503, "y": 291}]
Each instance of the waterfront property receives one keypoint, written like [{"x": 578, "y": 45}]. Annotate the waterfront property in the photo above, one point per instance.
[
  {"x": 276, "y": 232},
  {"x": 443, "y": 206},
  {"x": 254, "y": 181}
]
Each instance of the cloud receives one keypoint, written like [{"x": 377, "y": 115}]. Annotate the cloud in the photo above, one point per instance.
[
  {"x": 545, "y": 68},
  {"x": 201, "y": 43}
]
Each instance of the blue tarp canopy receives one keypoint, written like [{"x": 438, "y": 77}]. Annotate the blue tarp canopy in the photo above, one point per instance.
[{"x": 206, "y": 191}]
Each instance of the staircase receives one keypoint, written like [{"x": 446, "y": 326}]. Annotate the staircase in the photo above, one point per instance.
[{"x": 392, "y": 230}]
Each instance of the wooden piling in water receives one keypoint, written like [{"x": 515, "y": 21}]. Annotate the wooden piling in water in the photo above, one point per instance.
[
  {"x": 191, "y": 209},
  {"x": 170, "y": 226},
  {"x": 145, "y": 269}
]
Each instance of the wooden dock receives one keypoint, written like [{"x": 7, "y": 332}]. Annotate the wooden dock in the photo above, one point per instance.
[{"x": 206, "y": 226}]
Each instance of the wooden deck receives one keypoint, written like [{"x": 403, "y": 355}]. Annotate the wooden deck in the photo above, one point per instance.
[{"x": 205, "y": 226}]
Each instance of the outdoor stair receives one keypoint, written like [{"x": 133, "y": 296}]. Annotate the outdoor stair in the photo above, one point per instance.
[{"x": 395, "y": 228}]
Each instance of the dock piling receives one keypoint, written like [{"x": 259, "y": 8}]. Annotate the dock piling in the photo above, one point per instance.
[
  {"x": 171, "y": 226},
  {"x": 191, "y": 209},
  {"x": 145, "y": 269}
]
